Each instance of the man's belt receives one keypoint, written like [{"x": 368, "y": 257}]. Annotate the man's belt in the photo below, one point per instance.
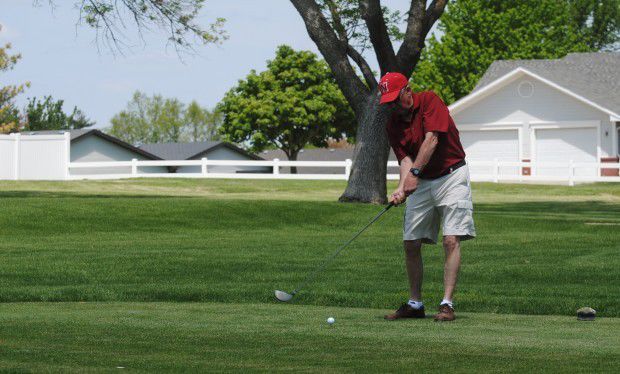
[{"x": 449, "y": 170}]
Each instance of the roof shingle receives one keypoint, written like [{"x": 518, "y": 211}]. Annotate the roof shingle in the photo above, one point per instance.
[{"x": 178, "y": 151}]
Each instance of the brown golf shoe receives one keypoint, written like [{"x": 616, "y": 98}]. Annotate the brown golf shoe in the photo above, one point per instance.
[
  {"x": 406, "y": 311},
  {"x": 446, "y": 313}
]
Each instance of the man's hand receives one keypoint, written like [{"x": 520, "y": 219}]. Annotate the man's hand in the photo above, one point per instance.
[
  {"x": 408, "y": 187},
  {"x": 398, "y": 196}
]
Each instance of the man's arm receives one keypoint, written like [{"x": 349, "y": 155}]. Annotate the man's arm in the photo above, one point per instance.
[
  {"x": 408, "y": 182},
  {"x": 426, "y": 150}
]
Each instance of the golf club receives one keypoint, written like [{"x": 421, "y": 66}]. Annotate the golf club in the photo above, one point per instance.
[{"x": 284, "y": 296}]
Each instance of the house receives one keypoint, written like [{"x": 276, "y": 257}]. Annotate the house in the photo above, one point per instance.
[
  {"x": 92, "y": 145},
  {"x": 544, "y": 111},
  {"x": 320, "y": 154},
  {"x": 213, "y": 150}
]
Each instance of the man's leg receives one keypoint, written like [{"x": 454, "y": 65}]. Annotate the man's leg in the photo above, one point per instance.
[
  {"x": 452, "y": 263},
  {"x": 452, "y": 248},
  {"x": 453, "y": 195},
  {"x": 421, "y": 221},
  {"x": 413, "y": 262}
]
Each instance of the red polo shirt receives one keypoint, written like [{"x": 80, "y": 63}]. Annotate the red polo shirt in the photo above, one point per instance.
[{"x": 406, "y": 133}]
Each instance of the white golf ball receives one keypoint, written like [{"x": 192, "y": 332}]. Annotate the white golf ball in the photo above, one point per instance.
[{"x": 331, "y": 320}]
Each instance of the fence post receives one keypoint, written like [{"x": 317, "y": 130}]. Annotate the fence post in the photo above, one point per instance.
[
  {"x": 67, "y": 154},
  {"x": 18, "y": 139},
  {"x": 276, "y": 166},
  {"x": 204, "y": 166},
  {"x": 134, "y": 166},
  {"x": 495, "y": 170},
  {"x": 347, "y": 168},
  {"x": 571, "y": 173}
]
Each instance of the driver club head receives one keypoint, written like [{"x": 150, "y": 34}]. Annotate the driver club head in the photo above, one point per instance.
[{"x": 283, "y": 296}]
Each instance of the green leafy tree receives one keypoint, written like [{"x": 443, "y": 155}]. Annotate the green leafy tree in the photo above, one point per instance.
[
  {"x": 599, "y": 22},
  {"x": 10, "y": 118},
  {"x": 295, "y": 102},
  {"x": 149, "y": 120},
  {"x": 47, "y": 114},
  {"x": 162, "y": 120},
  {"x": 201, "y": 123},
  {"x": 478, "y": 32}
]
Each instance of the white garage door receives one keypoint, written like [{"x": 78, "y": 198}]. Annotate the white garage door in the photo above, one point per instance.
[
  {"x": 563, "y": 145},
  {"x": 486, "y": 145}
]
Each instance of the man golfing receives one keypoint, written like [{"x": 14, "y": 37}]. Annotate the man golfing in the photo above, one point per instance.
[{"x": 434, "y": 181}]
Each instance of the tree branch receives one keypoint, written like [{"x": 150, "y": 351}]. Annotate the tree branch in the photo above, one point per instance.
[
  {"x": 351, "y": 51},
  {"x": 419, "y": 23},
  {"x": 178, "y": 18},
  {"x": 373, "y": 16},
  {"x": 369, "y": 77},
  {"x": 434, "y": 11},
  {"x": 332, "y": 50},
  {"x": 338, "y": 26}
]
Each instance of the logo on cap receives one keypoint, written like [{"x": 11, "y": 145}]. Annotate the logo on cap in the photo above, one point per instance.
[{"x": 383, "y": 87}]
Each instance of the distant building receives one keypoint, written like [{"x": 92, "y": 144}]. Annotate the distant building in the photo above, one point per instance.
[
  {"x": 214, "y": 150},
  {"x": 91, "y": 145},
  {"x": 544, "y": 111}
]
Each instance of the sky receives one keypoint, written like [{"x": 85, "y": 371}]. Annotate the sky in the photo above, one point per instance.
[{"x": 62, "y": 59}]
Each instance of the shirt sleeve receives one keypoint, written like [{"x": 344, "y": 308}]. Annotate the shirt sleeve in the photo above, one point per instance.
[
  {"x": 395, "y": 143},
  {"x": 435, "y": 114}
]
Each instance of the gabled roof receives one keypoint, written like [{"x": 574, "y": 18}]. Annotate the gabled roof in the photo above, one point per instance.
[
  {"x": 77, "y": 135},
  {"x": 194, "y": 150},
  {"x": 593, "y": 78}
]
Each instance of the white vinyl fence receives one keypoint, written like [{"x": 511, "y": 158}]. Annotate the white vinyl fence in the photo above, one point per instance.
[
  {"x": 47, "y": 157},
  {"x": 34, "y": 157},
  {"x": 491, "y": 171}
]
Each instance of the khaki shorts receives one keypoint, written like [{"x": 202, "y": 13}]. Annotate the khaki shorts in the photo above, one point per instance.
[{"x": 446, "y": 200}]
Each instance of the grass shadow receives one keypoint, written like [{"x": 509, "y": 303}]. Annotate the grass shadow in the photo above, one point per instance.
[{"x": 84, "y": 195}]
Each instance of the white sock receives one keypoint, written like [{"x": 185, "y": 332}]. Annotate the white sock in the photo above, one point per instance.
[
  {"x": 446, "y": 301},
  {"x": 415, "y": 304}
]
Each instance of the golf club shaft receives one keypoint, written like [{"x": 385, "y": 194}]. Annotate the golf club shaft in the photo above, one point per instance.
[{"x": 330, "y": 258}]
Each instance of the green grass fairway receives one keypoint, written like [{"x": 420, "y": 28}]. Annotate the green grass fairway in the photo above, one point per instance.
[
  {"x": 73, "y": 337},
  {"x": 179, "y": 275}
]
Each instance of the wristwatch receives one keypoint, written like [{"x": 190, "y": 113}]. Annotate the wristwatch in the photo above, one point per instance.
[{"x": 415, "y": 171}]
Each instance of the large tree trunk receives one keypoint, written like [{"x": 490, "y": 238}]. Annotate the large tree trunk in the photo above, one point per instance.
[
  {"x": 293, "y": 157},
  {"x": 367, "y": 182}
]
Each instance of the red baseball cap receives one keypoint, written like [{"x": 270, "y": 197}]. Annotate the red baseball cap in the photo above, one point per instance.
[{"x": 390, "y": 86}]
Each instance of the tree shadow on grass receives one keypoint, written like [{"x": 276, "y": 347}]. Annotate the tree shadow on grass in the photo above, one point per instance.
[{"x": 86, "y": 195}]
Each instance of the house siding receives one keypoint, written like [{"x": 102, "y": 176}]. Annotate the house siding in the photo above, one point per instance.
[
  {"x": 506, "y": 107},
  {"x": 224, "y": 153},
  {"x": 93, "y": 148}
]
